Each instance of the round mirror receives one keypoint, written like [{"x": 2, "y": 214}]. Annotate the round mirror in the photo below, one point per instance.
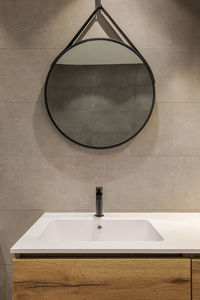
[{"x": 99, "y": 93}]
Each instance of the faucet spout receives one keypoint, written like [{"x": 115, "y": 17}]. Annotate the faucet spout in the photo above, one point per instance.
[{"x": 99, "y": 202}]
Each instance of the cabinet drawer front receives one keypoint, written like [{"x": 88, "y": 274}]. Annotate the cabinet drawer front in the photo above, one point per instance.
[{"x": 101, "y": 279}]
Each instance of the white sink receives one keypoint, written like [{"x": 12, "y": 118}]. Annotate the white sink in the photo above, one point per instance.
[
  {"x": 96, "y": 229},
  {"x": 113, "y": 233}
]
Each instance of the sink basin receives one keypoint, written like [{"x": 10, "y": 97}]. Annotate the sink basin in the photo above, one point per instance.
[
  {"x": 113, "y": 233},
  {"x": 100, "y": 230}
]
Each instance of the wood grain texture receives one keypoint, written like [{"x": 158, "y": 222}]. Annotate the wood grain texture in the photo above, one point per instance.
[
  {"x": 101, "y": 278},
  {"x": 196, "y": 279}
]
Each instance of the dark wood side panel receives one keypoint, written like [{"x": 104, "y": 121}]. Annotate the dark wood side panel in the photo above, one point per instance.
[{"x": 101, "y": 279}]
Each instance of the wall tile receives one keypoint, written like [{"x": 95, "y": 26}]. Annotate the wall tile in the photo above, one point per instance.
[
  {"x": 31, "y": 132},
  {"x": 42, "y": 24},
  {"x": 51, "y": 183},
  {"x": 152, "y": 184},
  {"x": 177, "y": 74},
  {"x": 66, "y": 184},
  {"x": 173, "y": 129},
  {"x": 5, "y": 282},
  {"x": 158, "y": 23},
  {"x": 13, "y": 224},
  {"x": 23, "y": 73}
]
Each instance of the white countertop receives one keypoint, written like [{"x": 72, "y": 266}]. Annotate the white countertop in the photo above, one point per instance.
[{"x": 85, "y": 233}]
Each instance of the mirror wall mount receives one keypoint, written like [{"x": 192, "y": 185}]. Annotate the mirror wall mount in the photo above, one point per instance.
[
  {"x": 98, "y": 3},
  {"x": 119, "y": 61}
]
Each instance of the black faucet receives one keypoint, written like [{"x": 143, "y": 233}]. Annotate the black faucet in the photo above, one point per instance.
[{"x": 99, "y": 202}]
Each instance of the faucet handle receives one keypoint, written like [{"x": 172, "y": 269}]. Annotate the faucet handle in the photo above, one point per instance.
[
  {"x": 99, "y": 190},
  {"x": 99, "y": 201}
]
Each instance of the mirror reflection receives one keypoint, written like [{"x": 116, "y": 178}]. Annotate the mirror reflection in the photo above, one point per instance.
[{"x": 99, "y": 93}]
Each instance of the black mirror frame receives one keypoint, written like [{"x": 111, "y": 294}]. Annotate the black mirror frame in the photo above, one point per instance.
[{"x": 114, "y": 41}]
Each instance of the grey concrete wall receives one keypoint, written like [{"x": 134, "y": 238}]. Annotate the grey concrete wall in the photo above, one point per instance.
[{"x": 42, "y": 171}]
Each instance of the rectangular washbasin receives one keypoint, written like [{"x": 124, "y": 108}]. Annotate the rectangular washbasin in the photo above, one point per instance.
[{"x": 100, "y": 229}]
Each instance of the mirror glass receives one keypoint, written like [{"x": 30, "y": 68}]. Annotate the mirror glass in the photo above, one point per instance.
[{"x": 99, "y": 93}]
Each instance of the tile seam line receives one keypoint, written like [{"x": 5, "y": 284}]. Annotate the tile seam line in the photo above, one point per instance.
[
  {"x": 96, "y": 156},
  {"x": 31, "y": 102},
  {"x": 140, "y": 49},
  {"x": 109, "y": 211},
  {"x": 21, "y": 209}
]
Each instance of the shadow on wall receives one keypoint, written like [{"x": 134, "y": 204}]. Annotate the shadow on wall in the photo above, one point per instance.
[
  {"x": 175, "y": 23},
  {"x": 4, "y": 282},
  {"x": 191, "y": 7},
  {"x": 29, "y": 23},
  {"x": 25, "y": 20},
  {"x": 2, "y": 261},
  {"x": 86, "y": 164},
  {"x": 81, "y": 163}
]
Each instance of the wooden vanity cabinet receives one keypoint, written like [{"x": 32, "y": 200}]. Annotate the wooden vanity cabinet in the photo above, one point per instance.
[
  {"x": 104, "y": 278},
  {"x": 196, "y": 279}
]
